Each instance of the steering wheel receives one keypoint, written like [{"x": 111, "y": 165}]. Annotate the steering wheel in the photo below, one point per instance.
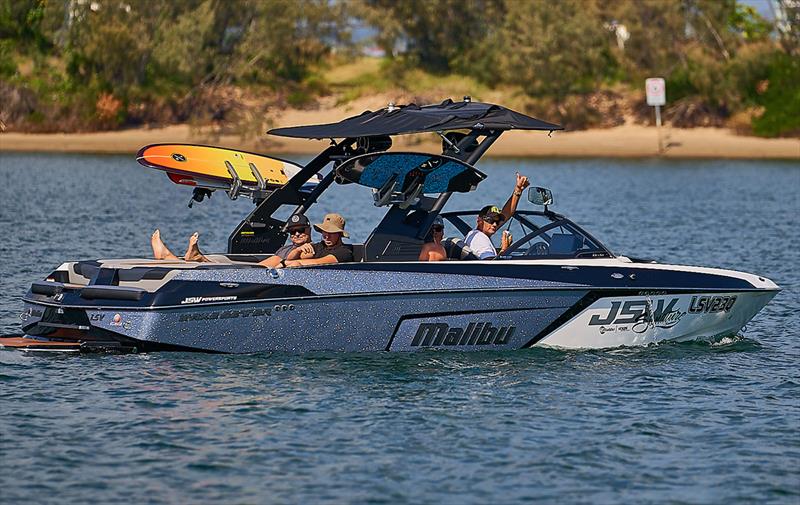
[{"x": 538, "y": 249}]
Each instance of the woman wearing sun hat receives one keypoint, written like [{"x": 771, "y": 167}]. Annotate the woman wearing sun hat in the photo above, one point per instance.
[{"x": 329, "y": 250}]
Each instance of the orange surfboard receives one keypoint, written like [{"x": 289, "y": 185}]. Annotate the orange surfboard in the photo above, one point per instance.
[{"x": 196, "y": 164}]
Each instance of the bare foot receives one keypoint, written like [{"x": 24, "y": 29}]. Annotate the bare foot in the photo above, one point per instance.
[
  {"x": 160, "y": 251},
  {"x": 193, "y": 251}
]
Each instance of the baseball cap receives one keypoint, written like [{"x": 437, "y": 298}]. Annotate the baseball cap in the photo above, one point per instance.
[
  {"x": 492, "y": 211},
  {"x": 297, "y": 221}
]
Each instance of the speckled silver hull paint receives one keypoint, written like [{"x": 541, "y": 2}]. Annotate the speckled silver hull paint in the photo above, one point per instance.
[
  {"x": 330, "y": 281},
  {"x": 349, "y": 311},
  {"x": 374, "y": 322},
  {"x": 339, "y": 324}
]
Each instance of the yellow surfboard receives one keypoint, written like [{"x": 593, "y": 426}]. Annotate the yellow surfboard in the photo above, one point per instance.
[{"x": 191, "y": 164}]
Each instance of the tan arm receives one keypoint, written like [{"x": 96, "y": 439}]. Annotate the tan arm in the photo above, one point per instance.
[
  {"x": 511, "y": 204},
  {"x": 330, "y": 258},
  {"x": 271, "y": 262},
  {"x": 298, "y": 252}
]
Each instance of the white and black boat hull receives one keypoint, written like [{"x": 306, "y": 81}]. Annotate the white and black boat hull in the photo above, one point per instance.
[{"x": 396, "y": 307}]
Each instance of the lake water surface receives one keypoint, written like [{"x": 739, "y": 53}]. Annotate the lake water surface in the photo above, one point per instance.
[{"x": 680, "y": 423}]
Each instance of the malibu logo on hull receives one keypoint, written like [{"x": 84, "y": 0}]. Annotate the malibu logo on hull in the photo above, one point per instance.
[{"x": 437, "y": 334}]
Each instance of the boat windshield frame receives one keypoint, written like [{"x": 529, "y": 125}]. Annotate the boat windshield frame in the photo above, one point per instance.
[{"x": 524, "y": 218}]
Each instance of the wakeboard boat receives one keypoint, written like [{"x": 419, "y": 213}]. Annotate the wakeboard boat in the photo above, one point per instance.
[{"x": 556, "y": 285}]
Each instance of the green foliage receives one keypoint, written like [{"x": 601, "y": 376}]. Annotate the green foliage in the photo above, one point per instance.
[
  {"x": 21, "y": 20},
  {"x": 438, "y": 35},
  {"x": 8, "y": 65},
  {"x": 553, "y": 49},
  {"x": 789, "y": 28},
  {"x": 749, "y": 23},
  {"x": 101, "y": 63},
  {"x": 781, "y": 99},
  {"x": 657, "y": 36},
  {"x": 87, "y": 65},
  {"x": 284, "y": 38},
  {"x": 182, "y": 52},
  {"x": 111, "y": 45}
]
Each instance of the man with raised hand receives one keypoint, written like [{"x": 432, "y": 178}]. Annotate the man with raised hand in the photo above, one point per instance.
[{"x": 490, "y": 218}]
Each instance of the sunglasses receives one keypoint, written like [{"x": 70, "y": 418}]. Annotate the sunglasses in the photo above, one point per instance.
[
  {"x": 298, "y": 231},
  {"x": 491, "y": 220},
  {"x": 437, "y": 228}
]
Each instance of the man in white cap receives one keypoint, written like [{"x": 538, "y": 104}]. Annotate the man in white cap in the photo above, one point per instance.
[
  {"x": 329, "y": 250},
  {"x": 490, "y": 218}
]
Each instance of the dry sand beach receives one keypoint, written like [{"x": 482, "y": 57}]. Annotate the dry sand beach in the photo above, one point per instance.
[
  {"x": 623, "y": 141},
  {"x": 629, "y": 140}
]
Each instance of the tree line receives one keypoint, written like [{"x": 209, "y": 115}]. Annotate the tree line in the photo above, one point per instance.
[{"x": 83, "y": 64}]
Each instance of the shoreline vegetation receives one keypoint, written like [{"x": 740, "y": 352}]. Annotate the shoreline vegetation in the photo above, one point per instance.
[
  {"x": 626, "y": 141},
  {"x": 103, "y": 76}
]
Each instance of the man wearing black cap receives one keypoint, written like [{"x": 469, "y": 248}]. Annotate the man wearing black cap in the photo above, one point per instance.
[
  {"x": 490, "y": 218},
  {"x": 299, "y": 230},
  {"x": 329, "y": 250},
  {"x": 299, "y": 233}
]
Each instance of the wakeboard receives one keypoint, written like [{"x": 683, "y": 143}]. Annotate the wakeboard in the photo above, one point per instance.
[
  {"x": 404, "y": 170},
  {"x": 196, "y": 165}
]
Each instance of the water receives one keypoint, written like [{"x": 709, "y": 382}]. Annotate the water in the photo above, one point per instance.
[{"x": 682, "y": 423}]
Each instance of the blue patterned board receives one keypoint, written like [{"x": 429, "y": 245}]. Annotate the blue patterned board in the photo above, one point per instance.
[{"x": 438, "y": 174}]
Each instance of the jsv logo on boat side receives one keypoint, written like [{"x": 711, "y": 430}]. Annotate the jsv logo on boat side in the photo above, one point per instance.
[
  {"x": 436, "y": 334},
  {"x": 640, "y": 314}
]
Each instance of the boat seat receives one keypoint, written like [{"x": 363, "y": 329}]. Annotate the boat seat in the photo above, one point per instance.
[
  {"x": 358, "y": 252},
  {"x": 564, "y": 243},
  {"x": 456, "y": 249},
  {"x": 237, "y": 258},
  {"x": 219, "y": 258}
]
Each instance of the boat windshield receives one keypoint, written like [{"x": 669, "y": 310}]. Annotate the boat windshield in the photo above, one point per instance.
[{"x": 537, "y": 235}]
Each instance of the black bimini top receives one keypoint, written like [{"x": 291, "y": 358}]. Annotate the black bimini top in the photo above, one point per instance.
[{"x": 411, "y": 118}]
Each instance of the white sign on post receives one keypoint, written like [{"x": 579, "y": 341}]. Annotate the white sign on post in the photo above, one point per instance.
[
  {"x": 656, "y": 97},
  {"x": 656, "y": 91}
]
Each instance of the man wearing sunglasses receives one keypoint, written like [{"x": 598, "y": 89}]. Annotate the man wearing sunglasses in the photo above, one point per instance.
[
  {"x": 299, "y": 230},
  {"x": 299, "y": 233},
  {"x": 490, "y": 219},
  {"x": 434, "y": 250},
  {"x": 330, "y": 249}
]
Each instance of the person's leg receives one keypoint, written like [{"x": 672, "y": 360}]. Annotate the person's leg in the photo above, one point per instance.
[
  {"x": 160, "y": 251},
  {"x": 193, "y": 251}
]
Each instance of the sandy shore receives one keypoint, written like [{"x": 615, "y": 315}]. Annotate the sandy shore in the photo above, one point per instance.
[{"x": 624, "y": 141}]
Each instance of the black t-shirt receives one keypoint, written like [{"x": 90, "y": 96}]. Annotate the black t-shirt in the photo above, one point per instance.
[
  {"x": 284, "y": 251},
  {"x": 342, "y": 252}
]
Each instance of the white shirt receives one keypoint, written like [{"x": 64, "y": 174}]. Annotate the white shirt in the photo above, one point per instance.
[{"x": 480, "y": 244}]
